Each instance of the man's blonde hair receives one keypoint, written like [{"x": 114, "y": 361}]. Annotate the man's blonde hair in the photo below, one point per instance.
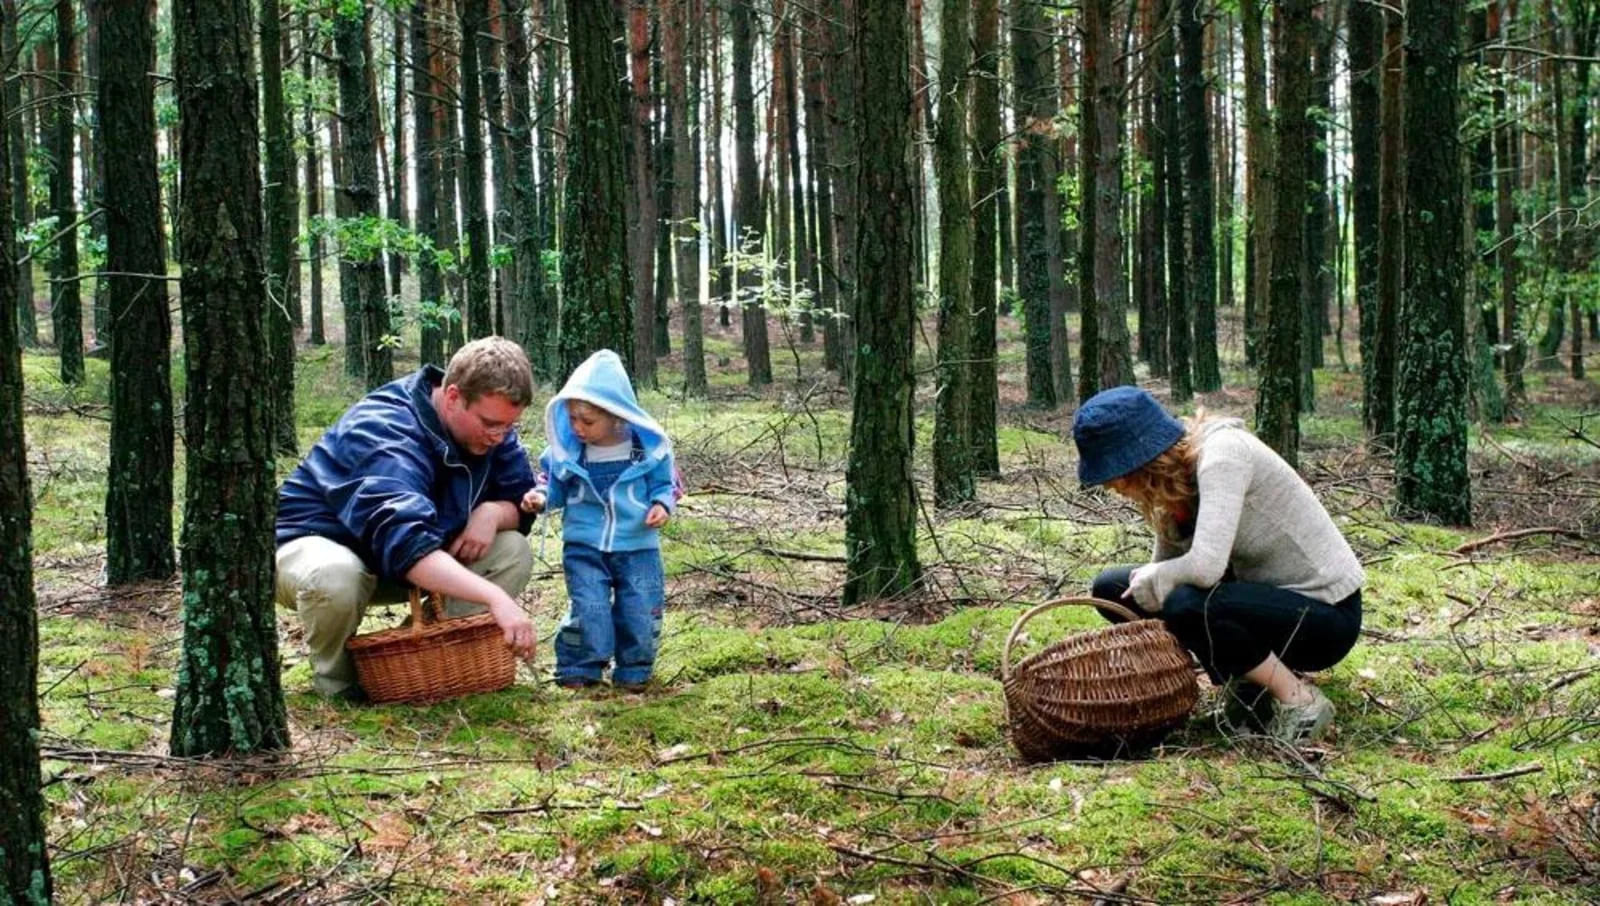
[
  {"x": 491, "y": 365},
  {"x": 1166, "y": 487}
]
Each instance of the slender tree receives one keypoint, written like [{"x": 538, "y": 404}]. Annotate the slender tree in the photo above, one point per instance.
[
  {"x": 843, "y": 108},
  {"x": 1036, "y": 108},
  {"x": 1278, "y": 394},
  {"x": 359, "y": 186},
  {"x": 66, "y": 311},
  {"x": 24, "y": 850},
  {"x": 748, "y": 209},
  {"x": 1261, "y": 178},
  {"x": 598, "y": 281},
  {"x": 952, "y": 434},
  {"x": 1380, "y": 374},
  {"x": 1365, "y": 36},
  {"x": 1319, "y": 283},
  {"x": 229, "y": 698},
  {"x": 988, "y": 159},
  {"x": 431, "y": 299},
  {"x": 280, "y": 215},
  {"x": 1197, "y": 177},
  {"x": 642, "y": 186},
  {"x": 1508, "y": 172},
  {"x": 139, "y": 476},
  {"x": 398, "y": 188},
  {"x": 313, "y": 182},
  {"x": 1176, "y": 318},
  {"x": 474, "y": 208},
  {"x": 1107, "y": 68},
  {"x": 1153, "y": 201},
  {"x": 1431, "y": 478},
  {"x": 881, "y": 495},
  {"x": 527, "y": 314},
  {"x": 491, "y": 76},
  {"x": 820, "y": 154},
  {"x": 27, "y": 318},
  {"x": 675, "y": 26}
]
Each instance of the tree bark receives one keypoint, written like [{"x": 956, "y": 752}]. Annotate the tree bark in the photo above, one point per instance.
[
  {"x": 24, "y": 845},
  {"x": 529, "y": 308},
  {"x": 1278, "y": 394},
  {"x": 280, "y": 216},
  {"x": 685, "y": 207},
  {"x": 1260, "y": 180},
  {"x": 1391, "y": 192},
  {"x": 359, "y": 186},
  {"x": 475, "y": 214},
  {"x": 432, "y": 306},
  {"x": 139, "y": 474},
  {"x": 988, "y": 161},
  {"x": 598, "y": 281},
  {"x": 880, "y": 489},
  {"x": 953, "y": 479},
  {"x": 820, "y": 155},
  {"x": 1036, "y": 108},
  {"x": 1108, "y": 70},
  {"x": 1365, "y": 45},
  {"x": 1176, "y": 318},
  {"x": 66, "y": 311},
  {"x": 749, "y": 212},
  {"x": 642, "y": 231},
  {"x": 1431, "y": 478},
  {"x": 27, "y": 318},
  {"x": 229, "y": 698},
  {"x": 313, "y": 182},
  {"x": 1319, "y": 285}
]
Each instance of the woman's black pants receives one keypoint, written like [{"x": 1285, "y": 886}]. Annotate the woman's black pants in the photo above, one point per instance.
[{"x": 1233, "y": 626}]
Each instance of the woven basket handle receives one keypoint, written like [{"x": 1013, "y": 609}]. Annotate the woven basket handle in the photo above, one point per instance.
[
  {"x": 424, "y": 610},
  {"x": 1081, "y": 601}
]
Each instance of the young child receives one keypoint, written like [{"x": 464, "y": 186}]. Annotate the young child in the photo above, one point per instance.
[{"x": 609, "y": 465}]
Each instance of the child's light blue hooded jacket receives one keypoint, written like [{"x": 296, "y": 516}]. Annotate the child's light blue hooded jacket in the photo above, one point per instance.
[{"x": 613, "y": 521}]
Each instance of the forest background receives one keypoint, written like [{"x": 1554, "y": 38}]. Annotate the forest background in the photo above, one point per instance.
[{"x": 863, "y": 258}]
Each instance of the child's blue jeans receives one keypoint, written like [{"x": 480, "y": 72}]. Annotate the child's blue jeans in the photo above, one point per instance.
[{"x": 616, "y": 600}]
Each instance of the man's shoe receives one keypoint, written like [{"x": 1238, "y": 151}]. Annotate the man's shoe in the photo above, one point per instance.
[
  {"x": 1296, "y": 724},
  {"x": 351, "y": 695},
  {"x": 640, "y": 686},
  {"x": 576, "y": 683}
]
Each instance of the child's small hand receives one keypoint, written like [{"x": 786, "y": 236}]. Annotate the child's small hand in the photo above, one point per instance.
[
  {"x": 657, "y": 517},
  {"x": 533, "y": 501}
]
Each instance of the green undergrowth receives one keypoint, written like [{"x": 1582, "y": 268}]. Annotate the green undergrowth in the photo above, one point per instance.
[{"x": 794, "y": 751}]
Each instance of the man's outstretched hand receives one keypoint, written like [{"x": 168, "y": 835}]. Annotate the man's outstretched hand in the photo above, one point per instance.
[{"x": 518, "y": 629}]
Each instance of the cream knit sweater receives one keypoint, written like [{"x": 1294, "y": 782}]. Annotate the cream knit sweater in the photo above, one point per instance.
[{"x": 1258, "y": 516}]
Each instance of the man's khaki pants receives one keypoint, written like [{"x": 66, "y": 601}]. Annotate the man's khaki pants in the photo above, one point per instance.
[{"x": 329, "y": 587}]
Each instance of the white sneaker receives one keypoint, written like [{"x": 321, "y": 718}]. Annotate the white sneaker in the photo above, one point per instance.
[{"x": 1295, "y": 724}]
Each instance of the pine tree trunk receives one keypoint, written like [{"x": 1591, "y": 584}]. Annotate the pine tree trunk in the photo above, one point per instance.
[
  {"x": 1431, "y": 478},
  {"x": 1036, "y": 108},
  {"x": 359, "y": 186},
  {"x": 800, "y": 262},
  {"x": 27, "y": 318},
  {"x": 139, "y": 474},
  {"x": 398, "y": 161},
  {"x": 1153, "y": 226},
  {"x": 24, "y": 847},
  {"x": 953, "y": 480},
  {"x": 431, "y": 302},
  {"x": 880, "y": 495},
  {"x": 1261, "y": 179},
  {"x": 988, "y": 160},
  {"x": 91, "y": 140},
  {"x": 820, "y": 154},
  {"x": 475, "y": 214},
  {"x": 844, "y": 105},
  {"x": 595, "y": 269},
  {"x": 721, "y": 269},
  {"x": 1225, "y": 128},
  {"x": 1365, "y": 38},
  {"x": 1278, "y": 394},
  {"x": 1175, "y": 317},
  {"x": 313, "y": 181},
  {"x": 66, "y": 312},
  {"x": 749, "y": 213},
  {"x": 1508, "y": 170},
  {"x": 229, "y": 698},
  {"x": 280, "y": 221},
  {"x": 1380, "y": 376},
  {"x": 447, "y": 134},
  {"x": 527, "y": 304},
  {"x": 675, "y": 21},
  {"x": 1318, "y": 283},
  {"x": 1108, "y": 73},
  {"x": 1202, "y": 265},
  {"x": 642, "y": 185}
]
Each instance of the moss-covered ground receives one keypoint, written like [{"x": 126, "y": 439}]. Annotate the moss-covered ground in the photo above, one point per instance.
[{"x": 793, "y": 751}]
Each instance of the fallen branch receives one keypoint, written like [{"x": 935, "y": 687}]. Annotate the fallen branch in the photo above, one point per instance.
[
  {"x": 1513, "y": 535},
  {"x": 1533, "y": 768}
]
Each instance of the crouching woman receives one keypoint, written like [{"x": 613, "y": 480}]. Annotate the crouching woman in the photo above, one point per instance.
[{"x": 1249, "y": 571}]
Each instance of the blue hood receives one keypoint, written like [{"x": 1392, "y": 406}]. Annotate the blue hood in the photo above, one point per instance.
[{"x": 600, "y": 381}]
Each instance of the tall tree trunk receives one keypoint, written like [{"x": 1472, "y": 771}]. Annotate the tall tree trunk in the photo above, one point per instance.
[
  {"x": 664, "y": 153},
  {"x": 474, "y": 208},
  {"x": 316, "y": 335},
  {"x": 431, "y": 303},
  {"x": 27, "y": 318},
  {"x": 820, "y": 154},
  {"x": 1155, "y": 216},
  {"x": 398, "y": 194},
  {"x": 66, "y": 312},
  {"x": 642, "y": 183},
  {"x": 1057, "y": 238},
  {"x": 24, "y": 845},
  {"x": 139, "y": 474},
  {"x": 801, "y": 263},
  {"x": 988, "y": 160},
  {"x": 1365, "y": 44},
  {"x": 1225, "y": 128},
  {"x": 91, "y": 140},
  {"x": 545, "y": 354},
  {"x": 229, "y": 698},
  {"x": 1176, "y": 318},
  {"x": 881, "y": 491},
  {"x": 1278, "y": 394},
  {"x": 360, "y": 188},
  {"x": 1260, "y": 180},
  {"x": 1431, "y": 478},
  {"x": 280, "y": 221},
  {"x": 528, "y": 306},
  {"x": 721, "y": 267},
  {"x": 953, "y": 479},
  {"x": 1380, "y": 375},
  {"x": 1202, "y": 269},
  {"x": 598, "y": 289},
  {"x": 1036, "y": 108},
  {"x": 844, "y": 105},
  {"x": 1318, "y": 283},
  {"x": 685, "y": 208},
  {"x": 749, "y": 212},
  {"x": 447, "y": 133},
  {"x": 1108, "y": 70}
]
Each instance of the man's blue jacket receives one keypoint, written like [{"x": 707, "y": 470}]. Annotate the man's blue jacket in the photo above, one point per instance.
[{"x": 388, "y": 482}]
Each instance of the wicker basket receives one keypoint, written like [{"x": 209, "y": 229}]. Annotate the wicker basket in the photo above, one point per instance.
[
  {"x": 432, "y": 659},
  {"x": 1099, "y": 692}
]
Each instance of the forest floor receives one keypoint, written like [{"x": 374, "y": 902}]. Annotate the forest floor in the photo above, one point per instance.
[{"x": 798, "y": 751}]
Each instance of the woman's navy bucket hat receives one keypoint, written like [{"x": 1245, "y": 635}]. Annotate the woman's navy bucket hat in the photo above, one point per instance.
[{"x": 1118, "y": 431}]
